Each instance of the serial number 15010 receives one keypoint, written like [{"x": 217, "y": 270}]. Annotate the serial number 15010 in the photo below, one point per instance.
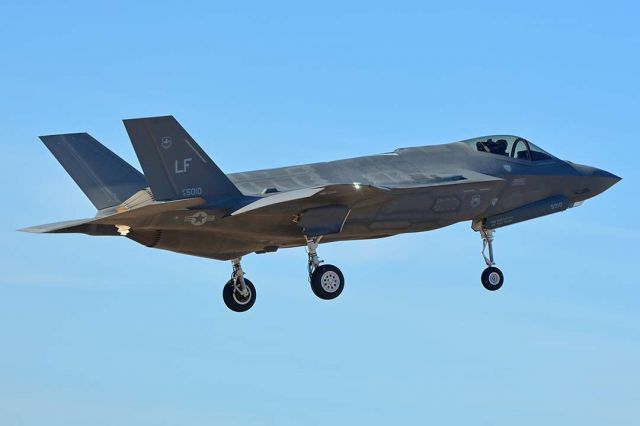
[{"x": 191, "y": 192}]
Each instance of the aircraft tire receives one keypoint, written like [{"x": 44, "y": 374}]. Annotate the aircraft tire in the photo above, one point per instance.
[
  {"x": 327, "y": 282},
  {"x": 236, "y": 302},
  {"x": 492, "y": 278}
]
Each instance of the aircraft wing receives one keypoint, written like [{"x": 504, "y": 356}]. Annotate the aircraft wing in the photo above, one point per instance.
[
  {"x": 285, "y": 200},
  {"x": 353, "y": 193},
  {"x": 319, "y": 210},
  {"x": 464, "y": 177},
  {"x": 323, "y": 210}
]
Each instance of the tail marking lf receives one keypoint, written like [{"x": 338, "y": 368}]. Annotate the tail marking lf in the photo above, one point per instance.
[{"x": 185, "y": 166}]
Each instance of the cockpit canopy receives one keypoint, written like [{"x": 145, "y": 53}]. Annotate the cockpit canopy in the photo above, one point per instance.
[{"x": 509, "y": 146}]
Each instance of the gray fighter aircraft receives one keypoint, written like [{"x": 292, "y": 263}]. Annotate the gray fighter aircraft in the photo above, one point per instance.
[{"x": 185, "y": 203}]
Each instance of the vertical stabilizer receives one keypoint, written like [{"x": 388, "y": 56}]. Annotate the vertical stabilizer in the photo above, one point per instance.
[
  {"x": 106, "y": 179},
  {"x": 173, "y": 163}
]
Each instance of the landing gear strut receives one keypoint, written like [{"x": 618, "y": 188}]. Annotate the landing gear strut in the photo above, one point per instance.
[
  {"x": 238, "y": 294},
  {"x": 327, "y": 281},
  {"x": 492, "y": 277}
]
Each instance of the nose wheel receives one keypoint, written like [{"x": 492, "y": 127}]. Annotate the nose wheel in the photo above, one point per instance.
[
  {"x": 327, "y": 281},
  {"x": 239, "y": 294},
  {"x": 492, "y": 277}
]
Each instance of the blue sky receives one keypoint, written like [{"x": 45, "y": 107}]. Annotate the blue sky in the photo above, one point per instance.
[{"x": 103, "y": 331}]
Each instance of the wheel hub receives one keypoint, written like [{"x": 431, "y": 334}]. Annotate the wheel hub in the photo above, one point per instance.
[
  {"x": 330, "y": 281},
  {"x": 494, "y": 278},
  {"x": 242, "y": 297}
]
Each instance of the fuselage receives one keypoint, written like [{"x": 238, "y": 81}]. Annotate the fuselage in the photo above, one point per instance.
[
  {"x": 425, "y": 188},
  {"x": 183, "y": 202}
]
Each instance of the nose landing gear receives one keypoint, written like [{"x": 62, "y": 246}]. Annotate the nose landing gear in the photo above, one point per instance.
[{"x": 492, "y": 277}]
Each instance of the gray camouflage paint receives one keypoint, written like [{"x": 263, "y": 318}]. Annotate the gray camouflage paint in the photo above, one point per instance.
[{"x": 407, "y": 190}]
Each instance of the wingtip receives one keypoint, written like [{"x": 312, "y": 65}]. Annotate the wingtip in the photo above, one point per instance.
[
  {"x": 151, "y": 118},
  {"x": 31, "y": 230},
  {"x": 45, "y": 138}
]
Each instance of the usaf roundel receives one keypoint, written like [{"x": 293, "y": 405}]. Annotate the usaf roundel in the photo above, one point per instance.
[{"x": 197, "y": 219}]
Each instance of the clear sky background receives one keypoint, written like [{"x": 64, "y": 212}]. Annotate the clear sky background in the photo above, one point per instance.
[{"x": 103, "y": 331}]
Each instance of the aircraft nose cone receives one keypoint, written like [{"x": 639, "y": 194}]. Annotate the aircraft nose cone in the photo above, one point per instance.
[
  {"x": 606, "y": 175},
  {"x": 605, "y": 180},
  {"x": 595, "y": 181}
]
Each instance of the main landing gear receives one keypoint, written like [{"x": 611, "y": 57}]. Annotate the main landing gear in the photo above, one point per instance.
[
  {"x": 492, "y": 278},
  {"x": 327, "y": 281},
  {"x": 238, "y": 294}
]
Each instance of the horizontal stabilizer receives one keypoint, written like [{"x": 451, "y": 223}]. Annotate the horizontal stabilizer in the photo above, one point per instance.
[
  {"x": 51, "y": 228},
  {"x": 127, "y": 217},
  {"x": 157, "y": 207},
  {"x": 106, "y": 179}
]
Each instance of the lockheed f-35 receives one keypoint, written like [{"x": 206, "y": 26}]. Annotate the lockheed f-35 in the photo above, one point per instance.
[{"x": 184, "y": 203}]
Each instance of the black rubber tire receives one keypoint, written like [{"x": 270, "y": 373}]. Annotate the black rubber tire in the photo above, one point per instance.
[
  {"x": 333, "y": 280},
  {"x": 234, "y": 303},
  {"x": 488, "y": 278}
]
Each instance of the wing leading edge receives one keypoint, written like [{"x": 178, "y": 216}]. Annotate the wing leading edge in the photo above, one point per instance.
[{"x": 350, "y": 194}]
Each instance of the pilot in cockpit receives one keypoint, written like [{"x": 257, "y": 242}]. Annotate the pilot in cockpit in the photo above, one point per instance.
[{"x": 498, "y": 147}]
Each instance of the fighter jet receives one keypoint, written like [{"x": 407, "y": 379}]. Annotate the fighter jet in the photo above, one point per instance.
[{"x": 184, "y": 203}]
